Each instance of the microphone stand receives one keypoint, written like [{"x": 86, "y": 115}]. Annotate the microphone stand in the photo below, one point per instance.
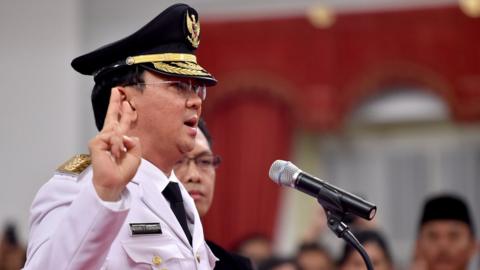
[{"x": 335, "y": 215}]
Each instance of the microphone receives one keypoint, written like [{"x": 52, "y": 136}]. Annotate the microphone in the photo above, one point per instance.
[{"x": 330, "y": 197}]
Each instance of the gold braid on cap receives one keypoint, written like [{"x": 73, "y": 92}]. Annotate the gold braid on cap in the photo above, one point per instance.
[
  {"x": 179, "y": 70},
  {"x": 163, "y": 57},
  {"x": 188, "y": 65}
]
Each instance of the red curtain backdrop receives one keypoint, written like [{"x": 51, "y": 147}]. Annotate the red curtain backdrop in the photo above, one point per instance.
[
  {"x": 322, "y": 75},
  {"x": 250, "y": 132},
  {"x": 334, "y": 69}
]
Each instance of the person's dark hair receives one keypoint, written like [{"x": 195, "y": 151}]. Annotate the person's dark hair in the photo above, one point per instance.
[
  {"x": 10, "y": 234},
  {"x": 274, "y": 262},
  {"x": 249, "y": 238},
  {"x": 365, "y": 237},
  {"x": 102, "y": 89},
  {"x": 312, "y": 246},
  {"x": 202, "y": 125}
]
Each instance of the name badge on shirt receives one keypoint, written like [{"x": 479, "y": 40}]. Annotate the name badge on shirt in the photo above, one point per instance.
[{"x": 145, "y": 228}]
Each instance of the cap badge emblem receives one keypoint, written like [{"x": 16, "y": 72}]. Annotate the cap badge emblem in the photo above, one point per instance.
[{"x": 193, "y": 26}]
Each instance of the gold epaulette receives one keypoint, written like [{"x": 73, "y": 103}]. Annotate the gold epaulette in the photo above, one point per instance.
[{"x": 76, "y": 165}]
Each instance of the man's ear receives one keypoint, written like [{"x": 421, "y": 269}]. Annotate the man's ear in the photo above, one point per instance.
[
  {"x": 418, "y": 260},
  {"x": 475, "y": 247},
  {"x": 122, "y": 91},
  {"x": 128, "y": 96},
  {"x": 131, "y": 101},
  {"x": 417, "y": 252}
]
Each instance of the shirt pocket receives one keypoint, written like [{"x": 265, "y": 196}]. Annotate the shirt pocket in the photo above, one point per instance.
[{"x": 153, "y": 252}]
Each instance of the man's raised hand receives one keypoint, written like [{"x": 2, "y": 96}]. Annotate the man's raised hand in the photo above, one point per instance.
[{"x": 115, "y": 156}]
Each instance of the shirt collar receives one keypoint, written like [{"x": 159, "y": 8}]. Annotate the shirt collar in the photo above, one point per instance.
[{"x": 149, "y": 172}]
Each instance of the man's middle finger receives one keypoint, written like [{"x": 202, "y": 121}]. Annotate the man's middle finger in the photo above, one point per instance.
[{"x": 126, "y": 118}]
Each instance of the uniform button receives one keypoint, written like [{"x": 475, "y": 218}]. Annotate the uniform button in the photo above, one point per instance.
[
  {"x": 198, "y": 258},
  {"x": 156, "y": 260}
]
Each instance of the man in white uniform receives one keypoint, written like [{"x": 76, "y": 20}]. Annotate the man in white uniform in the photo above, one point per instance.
[{"x": 121, "y": 207}]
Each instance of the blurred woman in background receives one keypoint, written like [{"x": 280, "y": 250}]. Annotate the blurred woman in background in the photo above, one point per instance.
[{"x": 376, "y": 248}]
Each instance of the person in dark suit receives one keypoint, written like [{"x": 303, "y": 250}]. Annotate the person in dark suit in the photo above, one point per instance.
[{"x": 197, "y": 173}]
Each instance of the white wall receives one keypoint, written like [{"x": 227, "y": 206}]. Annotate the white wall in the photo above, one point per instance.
[{"x": 39, "y": 113}]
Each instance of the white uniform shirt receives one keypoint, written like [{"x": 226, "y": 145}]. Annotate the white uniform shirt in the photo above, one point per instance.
[{"x": 72, "y": 228}]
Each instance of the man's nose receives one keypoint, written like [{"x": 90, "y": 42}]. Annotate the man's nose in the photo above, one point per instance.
[
  {"x": 193, "y": 173},
  {"x": 194, "y": 101},
  {"x": 444, "y": 243}
]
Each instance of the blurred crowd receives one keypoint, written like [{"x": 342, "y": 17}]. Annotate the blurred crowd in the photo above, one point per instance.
[
  {"x": 12, "y": 252},
  {"x": 445, "y": 240}
]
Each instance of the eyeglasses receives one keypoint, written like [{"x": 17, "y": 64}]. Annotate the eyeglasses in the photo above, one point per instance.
[
  {"x": 204, "y": 162},
  {"x": 184, "y": 88}
]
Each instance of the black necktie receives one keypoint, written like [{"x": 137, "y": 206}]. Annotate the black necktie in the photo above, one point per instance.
[{"x": 173, "y": 195}]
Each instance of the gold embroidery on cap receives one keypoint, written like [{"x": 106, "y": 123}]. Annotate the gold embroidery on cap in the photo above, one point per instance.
[
  {"x": 75, "y": 165},
  {"x": 177, "y": 70},
  {"x": 193, "y": 26},
  {"x": 188, "y": 65}
]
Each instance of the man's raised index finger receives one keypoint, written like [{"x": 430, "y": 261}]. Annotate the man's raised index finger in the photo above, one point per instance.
[{"x": 114, "y": 107}]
